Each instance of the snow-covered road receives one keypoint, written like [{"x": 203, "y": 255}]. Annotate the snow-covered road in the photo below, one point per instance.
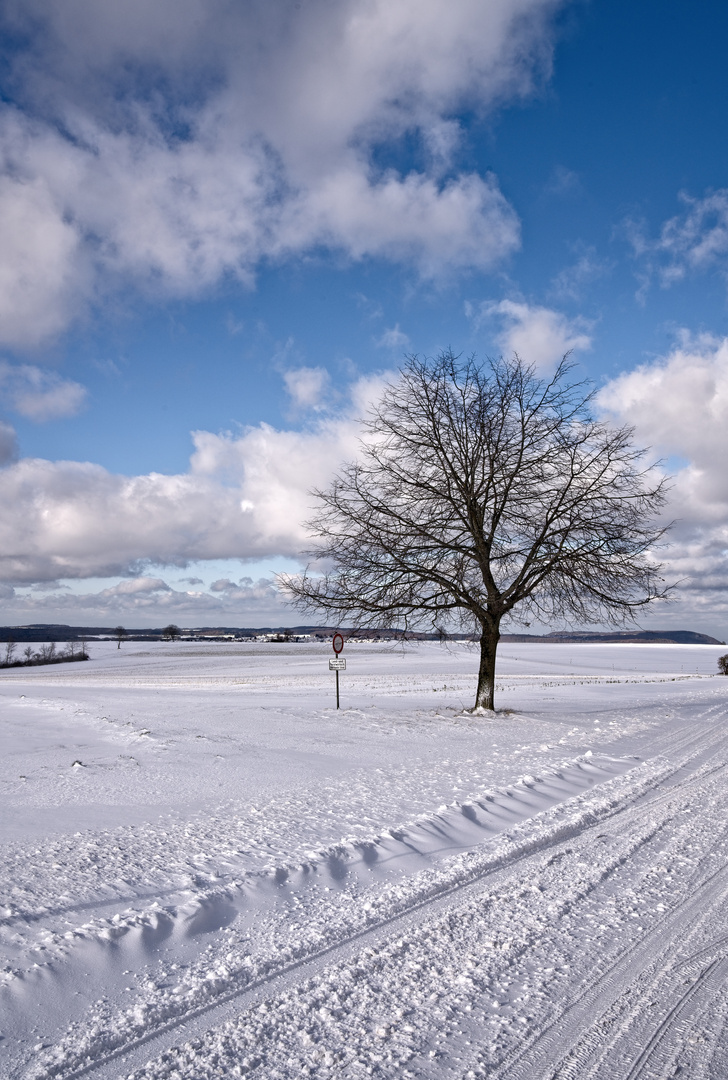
[{"x": 207, "y": 871}]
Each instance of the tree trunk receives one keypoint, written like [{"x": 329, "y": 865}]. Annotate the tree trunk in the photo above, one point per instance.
[{"x": 489, "y": 638}]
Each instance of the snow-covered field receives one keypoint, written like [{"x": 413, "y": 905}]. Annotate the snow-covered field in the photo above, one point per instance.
[{"x": 207, "y": 871}]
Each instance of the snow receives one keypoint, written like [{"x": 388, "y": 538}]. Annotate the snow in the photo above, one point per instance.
[{"x": 208, "y": 871}]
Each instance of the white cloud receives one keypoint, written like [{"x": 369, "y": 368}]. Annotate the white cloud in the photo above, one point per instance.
[
  {"x": 563, "y": 181},
  {"x": 141, "y": 586},
  {"x": 539, "y": 335},
  {"x": 248, "y": 595},
  {"x": 571, "y": 281},
  {"x": 307, "y": 386},
  {"x": 151, "y": 602},
  {"x": 39, "y": 394},
  {"x": 42, "y": 279},
  {"x": 223, "y": 585},
  {"x": 679, "y": 406},
  {"x": 394, "y": 338},
  {"x": 170, "y": 144},
  {"x": 697, "y": 239},
  {"x": 692, "y": 241},
  {"x": 679, "y": 402},
  {"x": 8, "y": 444},
  {"x": 464, "y": 223},
  {"x": 244, "y": 496}
]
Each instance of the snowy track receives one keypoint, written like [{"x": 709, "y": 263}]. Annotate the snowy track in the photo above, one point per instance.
[{"x": 568, "y": 921}]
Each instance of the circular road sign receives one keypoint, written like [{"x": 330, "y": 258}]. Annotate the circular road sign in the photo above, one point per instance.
[{"x": 338, "y": 643}]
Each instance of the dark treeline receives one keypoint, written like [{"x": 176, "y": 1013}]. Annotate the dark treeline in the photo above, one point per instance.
[
  {"x": 62, "y": 634},
  {"x": 47, "y": 653}
]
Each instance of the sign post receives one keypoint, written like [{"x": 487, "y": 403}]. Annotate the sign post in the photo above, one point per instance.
[{"x": 338, "y": 664}]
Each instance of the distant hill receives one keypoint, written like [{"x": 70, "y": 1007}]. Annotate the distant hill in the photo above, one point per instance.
[
  {"x": 671, "y": 637},
  {"x": 62, "y": 632}
]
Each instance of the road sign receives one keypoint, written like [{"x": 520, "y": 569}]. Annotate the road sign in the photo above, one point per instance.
[{"x": 338, "y": 664}]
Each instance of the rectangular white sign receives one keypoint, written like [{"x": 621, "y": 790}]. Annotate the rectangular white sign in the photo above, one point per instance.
[{"x": 337, "y": 665}]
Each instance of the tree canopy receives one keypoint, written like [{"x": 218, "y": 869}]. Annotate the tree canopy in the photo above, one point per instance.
[{"x": 483, "y": 492}]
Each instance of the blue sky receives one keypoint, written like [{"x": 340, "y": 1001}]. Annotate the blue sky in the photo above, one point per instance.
[{"x": 233, "y": 220}]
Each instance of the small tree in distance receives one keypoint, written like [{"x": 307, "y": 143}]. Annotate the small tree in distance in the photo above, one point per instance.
[
  {"x": 119, "y": 634},
  {"x": 723, "y": 664},
  {"x": 171, "y": 632},
  {"x": 481, "y": 489}
]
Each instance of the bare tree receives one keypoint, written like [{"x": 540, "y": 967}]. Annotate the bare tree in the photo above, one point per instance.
[
  {"x": 480, "y": 489},
  {"x": 10, "y": 647},
  {"x": 47, "y": 652},
  {"x": 119, "y": 634},
  {"x": 723, "y": 664},
  {"x": 171, "y": 632}
]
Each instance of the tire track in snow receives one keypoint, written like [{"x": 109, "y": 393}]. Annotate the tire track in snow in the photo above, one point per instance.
[
  {"x": 596, "y": 1057},
  {"x": 544, "y": 1056},
  {"x": 195, "y": 1020},
  {"x": 446, "y": 1061},
  {"x": 585, "y": 1020},
  {"x": 714, "y": 974},
  {"x": 440, "y": 892}
]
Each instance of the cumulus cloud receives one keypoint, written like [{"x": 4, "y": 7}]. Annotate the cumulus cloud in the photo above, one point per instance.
[
  {"x": 148, "y": 601},
  {"x": 8, "y": 444},
  {"x": 39, "y": 257},
  {"x": 539, "y": 335},
  {"x": 244, "y": 496},
  {"x": 39, "y": 394},
  {"x": 679, "y": 402},
  {"x": 678, "y": 405},
  {"x": 223, "y": 585},
  {"x": 307, "y": 386},
  {"x": 173, "y": 143},
  {"x": 246, "y": 591},
  {"x": 141, "y": 586}
]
